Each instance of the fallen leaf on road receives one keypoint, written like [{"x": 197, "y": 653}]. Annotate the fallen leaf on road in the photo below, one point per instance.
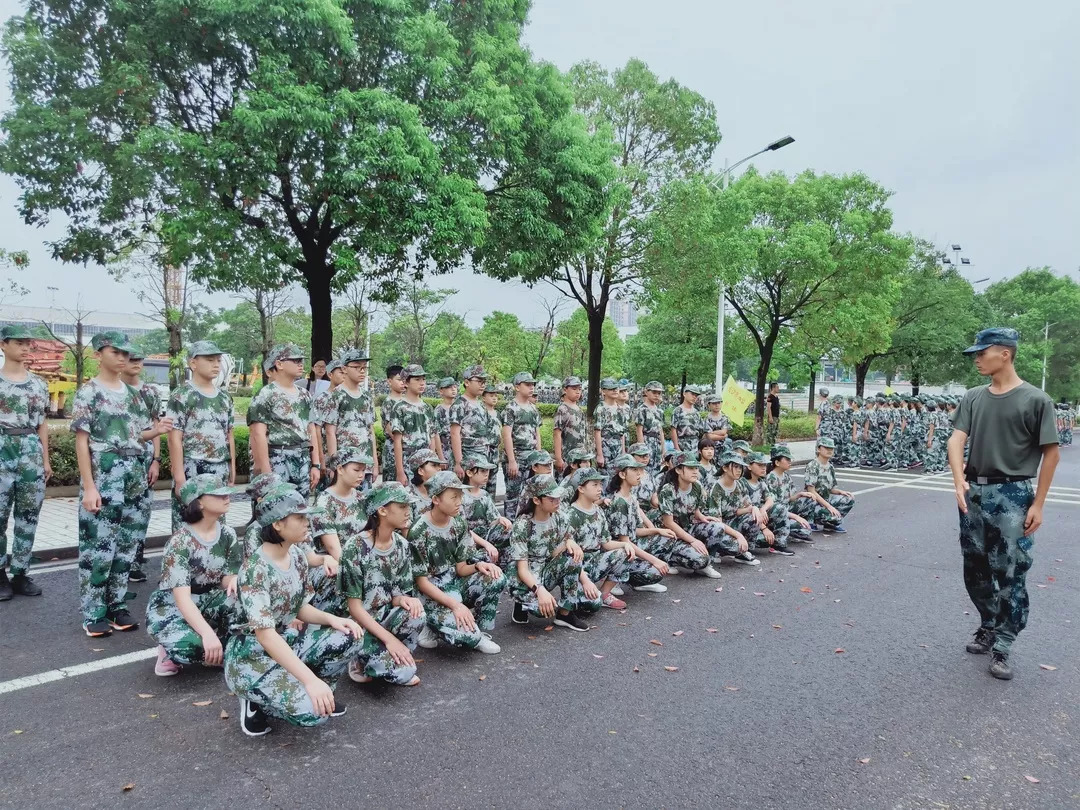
[
  {"x": 925, "y": 646},
  {"x": 711, "y": 630},
  {"x": 865, "y": 760},
  {"x": 549, "y": 628},
  {"x": 677, "y": 633},
  {"x": 839, "y": 650},
  {"x": 675, "y": 601},
  {"x": 652, "y": 655},
  {"x": 224, "y": 715},
  {"x": 1051, "y": 579},
  {"x": 17, "y": 731},
  {"x": 672, "y": 669},
  {"x": 777, "y": 627},
  {"x": 1040, "y": 585},
  {"x": 806, "y": 589},
  {"x": 1031, "y": 779},
  {"x": 779, "y": 580},
  {"x": 732, "y": 688},
  {"x": 200, "y": 702},
  {"x": 967, "y": 778},
  {"x": 128, "y": 786},
  {"x": 98, "y": 649},
  {"x": 145, "y": 695},
  {"x": 1047, "y": 667},
  {"x": 720, "y": 589},
  {"x": 152, "y": 716},
  {"x": 597, "y": 657},
  {"x": 623, "y": 624},
  {"x": 531, "y": 638},
  {"x": 482, "y": 678},
  {"x": 636, "y": 669},
  {"x": 657, "y": 643},
  {"x": 613, "y": 732},
  {"x": 758, "y": 593}
]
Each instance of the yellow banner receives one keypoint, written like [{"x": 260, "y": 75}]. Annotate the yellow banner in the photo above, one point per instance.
[
  {"x": 888, "y": 391},
  {"x": 736, "y": 400}
]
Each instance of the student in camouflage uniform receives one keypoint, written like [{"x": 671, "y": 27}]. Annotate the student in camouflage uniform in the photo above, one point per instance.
[
  {"x": 822, "y": 409},
  {"x": 458, "y": 586},
  {"x": 494, "y": 418},
  {"x": 396, "y": 383},
  {"x": 715, "y": 426},
  {"x": 729, "y": 500},
  {"x": 320, "y": 408},
  {"x": 609, "y": 431},
  {"x": 857, "y": 441},
  {"x": 742, "y": 448},
  {"x": 274, "y": 591},
  {"x": 893, "y": 434},
  {"x": 349, "y": 412},
  {"x": 935, "y": 456},
  {"x": 683, "y": 505},
  {"x": 426, "y": 463},
  {"x": 606, "y": 563},
  {"x": 448, "y": 390},
  {"x": 686, "y": 422},
  {"x": 376, "y": 577},
  {"x": 646, "y": 490},
  {"x": 132, "y": 375},
  {"x": 472, "y": 431},
  {"x": 190, "y": 613},
  {"x": 627, "y": 523},
  {"x": 521, "y": 433},
  {"x": 840, "y": 430},
  {"x": 108, "y": 420},
  {"x": 412, "y": 424},
  {"x": 201, "y": 440},
  {"x": 24, "y": 460},
  {"x": 772, "y": 514},
  {"x": 538, "y": 462},
  {"x": 649, "y": 419},
  {"x": 283, "y": 437},
  {"x": 783, "y": 490},
  {"x": 569, "y": 432},
  {"x": 707, "y": 458},
  {"x": 479, "y": 510},
  {"x": 544, "y": 556},
  {"x": 828, "y": 505}
]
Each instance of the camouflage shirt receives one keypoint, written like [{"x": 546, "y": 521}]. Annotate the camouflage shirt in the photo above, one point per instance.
[
  {"x": 23, "y": 404},
  {"x": 190, "y": 561},
  {"x": 681, "y": 504},
  {"x": 115, "y": 420},
  {"x": 415, "y": 421},
  {"x": 524, "y": 422},
  {"x": 479, "y": 511},
  {"x": 780, "y": 486},
  {"x": 710, "y": 423},
  {"x": 342, "y": 516},
  {"x": 725, "y": 502},
  {"x": 757, "y": 493},
  {"x": 710, "y": 474},
  {"x": 590, "y": 528},
  {"x": 623, "y": 518},
  {"x": 352, "y": 418},
  {"x": 286, "y": 417},
  {"x": 418, "y": 502},
  {"x": 442, "y": 427},
  {"x": 688, "y": 426},
  {"x": 375, "y": 576},
  {"x": 478, "y": 430},
  {"x": 206, "y": 422},
  {"x": 651, "y": 419},
  {"x": 820, "y": 477},
  {"x": 436, "y": 551},
  {"x": 645, "y": 490},
  {"x": 611, "y": 422},
  {"x": 570, "y": 420},
  {"x": 534, "y": 540},
  {"x": 387, "y": 413},
  {"x": 270, "y": 597}
]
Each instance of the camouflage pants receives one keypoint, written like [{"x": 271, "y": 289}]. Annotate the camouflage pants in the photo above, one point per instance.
[
  {"x": 376, "y": 660},
  {"x": 500, "y": 538},
  {"x": 327, "y": 597},
  {"x": 514, "y": 484},
  {"x": 673, "y": 552},
  {"x": 109, "y": 539},
  {"x": 251, "y": 673},
  {"x": 796, "y": 533},
  {"x": 936, "y": 456},
  {"x": 748, "y": 528},
  {"x": 600, "y": 565},
  {"x": 772, "y": 430},
  {"x": 193, "y": 467},
  {"x": 778, "y": 524},
  {"x": 476, "y": 592},
  {"x": 811, "y": 510},
  {"x": 560, "y": 573},
  {"x": 168, "y": 627},
  {"x": 612, "y": 449},
  {"x": 719, "y": 542},
  {"x": 294, "y": 465},
  {"x": 997, "y": 556},
  {"x": 656, "y": 453},
  {"x": 22, "y": 489},
  {"x": 1066, "y": 436},
  {"x": 387, "y": 465}
]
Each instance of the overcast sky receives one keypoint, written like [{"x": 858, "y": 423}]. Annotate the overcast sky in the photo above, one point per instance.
[{"x": 968, "y": 111}]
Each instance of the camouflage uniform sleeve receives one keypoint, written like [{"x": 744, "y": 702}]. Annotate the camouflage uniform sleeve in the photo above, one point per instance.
[
  {"x": 299, "y": 555},
  {"x": 176, "y": 563},
  {"x": 405, "y": 583},
  {"x": 396, "y": 425},
  {"x": 519, "y": 539},
  {"x": 432, "y": 425},
  {"x": 506, "y": 418},
  {"x": 618, "y": 518},
  {"x": 667, "y": 500},
  {"x": 418, "y": 548},
  {"x": 234, "y": 555},
  {"x": 177, "y": 408},
  {"x": 321, "y": 522},
  {"x": 82, "y": 410},
  {"x": 254, "y": 598},
  {"x": 257, "y": 410},
  {"x": 467, "y": 551},
  {"x": 812, "y": 475},
  {"x": 350, "y": 578},
  {"x": 457, "y": 412}
]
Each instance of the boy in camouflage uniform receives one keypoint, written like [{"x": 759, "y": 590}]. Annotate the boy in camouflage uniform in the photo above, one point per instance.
[
  {"x": 397, "y": 388},
  {"x": 349, "y": 413},
  {"x": 686, "y": 422},
  {"x": 569, "y": 432},
  {"x": 448, "y": 391},
  {"x": 715, "y": 425},
  {"x": 472, "y": 430},
  {"x": 822, "y": 410},
  {"x": 649, "y": 419},
  {"x": 283, "y": 437},
  {"x": 24, "y": 460},
  {"x": 521, "y": 434},
  {"x": 132, "y": 375},
  {"x": 827, "y": 505},
  {"x": 860, "y": 422},
  {"x": 412, "y": 424},
  {"x": 201, "y": 440},
  {"x": 109, "y": 419},
  {"x": 609, "y": 429}
]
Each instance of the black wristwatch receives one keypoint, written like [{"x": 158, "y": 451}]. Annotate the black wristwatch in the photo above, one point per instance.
[{"x": 534, "y": 587}]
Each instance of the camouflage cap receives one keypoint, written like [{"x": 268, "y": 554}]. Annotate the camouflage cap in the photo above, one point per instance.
[
  {"x": 136, "y": 353},
  {"x": 349, "y": 455},
  {"x": 654, "y": 385},
  {"x": 757, "y": 458},
  {"x": 541, "y": 457},
  {"x": 204, "y": 348},
  {"x": 334, "y": 365},
  {"x": 684, "y": 459},
  {"x": 743, "y": 445},
  {"x": 572, "y": 382},
  {"x": 837, "y": 399},
  {"x": 733, "y": 458},
  {"x": 354, "y": 356},
  {"x": 626, "y": 461},
  {"x": 474, "y": 373},
  {"x": 624, "y": 385},
  {"x": 286, "y": 351},
  {"x": 491, "y": 388},
  {"x": 639, "y": 449},
  {"x": 412, "y": 370},
  {"x": 713, "y": 399},
  {"x": 523, "y": 377},
  {"x": 692, "y": 389},
  {"x": 477, "y": 463},
  {"x": 281, "y": 502},
  {"x": 118, "y": 340},
  {"x": 206, "y": 484},
  {"x": 824, "y": 392},
  {"x": 583, "y": 476},
  {"x": 424, "y": 456},
  {"x": 14, "y": 331},
  {"x": 544, "y": 486},
  {"x": 382, "y": 495},
  {"x": 931, "y": 405},
  {"x": 781, "y": 451},
  {"x": 579, "y": 454},
  {"x": 263, "y": 483},
  {"x": 608, "y": 384},
  {"x": 825, "y": 441},
  {"x": 994, "y": 336},
  {"x": 446, "y": 382},
  {"x": 442, "y": 481}
]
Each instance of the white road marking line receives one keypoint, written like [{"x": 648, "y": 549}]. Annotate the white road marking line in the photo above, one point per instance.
[
  {"x": 49, "y": 568},
  {"x": 76, "y": 670}
]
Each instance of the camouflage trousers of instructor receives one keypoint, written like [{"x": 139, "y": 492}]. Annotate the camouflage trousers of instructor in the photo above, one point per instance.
[
  {"x": 193, "y": 467},
  {"x": 109, "y": 539},
  {"x": 22, "y": 489},
  {"x": 374, "y": 658},
  {"x": 251, "y": 673},
  {"x": 772, "y": 430},
  {"x": 294, "y": 465},
  {"x": 997, "y": 556},
  {"x": 168, "y": 627},
  {"x": 476, "y": 592}
]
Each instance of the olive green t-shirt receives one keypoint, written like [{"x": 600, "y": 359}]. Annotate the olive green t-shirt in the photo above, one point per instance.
[{"x": 1006, "y": 431}]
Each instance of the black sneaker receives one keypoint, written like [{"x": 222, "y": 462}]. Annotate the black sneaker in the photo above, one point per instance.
[
  {"x": 123, "y": 621},
  {"x": 781, "y": 550},
  {"x": 999, "y": 666},
  {"x": 136, "y": 574},
  {"x": 983, "y": 641},
  {"x": 339, "y": 707},
  {"x": 571, "y": 622},
  {"x": 746, "y": 558},
  {"x": 520, "y": 614},
  {"x": 5, "y": 586},
  {"x": 97, "y": 629},
  {"x": 253, "y": 719},
  {"x": 23, "y": 585}
]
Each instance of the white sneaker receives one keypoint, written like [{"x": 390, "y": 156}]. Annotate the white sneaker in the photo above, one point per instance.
[
  {"x": 618, "y": 591},
  {"x": 710, "y": 572},
  {"x": 356, "y": 672},
  {"x": 654, "y": 587},
  {"x": 428, "y": 640},
  {"x": 487, "y": 646},
  {"x": 672, "y": 571},
  {"x": 746, "y": 558}
]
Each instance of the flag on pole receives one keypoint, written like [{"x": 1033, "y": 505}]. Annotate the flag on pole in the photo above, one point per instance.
[
  {"x": 736, "y": 400},
  {"x": 888, "y": 391}
]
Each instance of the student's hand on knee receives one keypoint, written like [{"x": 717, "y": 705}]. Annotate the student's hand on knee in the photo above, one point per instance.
[
  {"x": 546, "y": 602},
  {"x": 699, "y": 547},
  {"x": 662, "y": 567},
  {"x": 229, "y": 584},
  {"x": 400, "y": 654},
  {"x": 463, "y": 617},
  {"x": 743, "y": 545},
  {"x": 330, "y": 566},
  {"x": 322, "y": 697},
  {"x": 575, "y": 551},
  {"x": 591, "y": 591},
  {"x": 212, "y": 651},
  {"x": 489, "y": 570},
  {"x": 413, "y": 605}
]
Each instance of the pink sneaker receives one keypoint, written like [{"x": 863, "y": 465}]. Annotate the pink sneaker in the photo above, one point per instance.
[
  {"x": 614, "y": 602},
  {"x": 165, "y": 666}
]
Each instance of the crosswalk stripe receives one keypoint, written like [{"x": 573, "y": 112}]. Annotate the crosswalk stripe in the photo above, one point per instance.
[
  {"x": 935, "y": 482},
  {"x": 75, "y": 670}
]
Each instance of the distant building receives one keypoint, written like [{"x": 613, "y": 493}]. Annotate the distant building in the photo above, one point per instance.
[
  {"x": 623, "y": 313},
  {"x": 62, "y": 322}
]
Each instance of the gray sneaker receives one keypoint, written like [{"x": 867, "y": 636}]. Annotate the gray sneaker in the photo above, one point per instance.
[
  {"x": 999, "y": 666},
  {"x": 983, "y": 641}
]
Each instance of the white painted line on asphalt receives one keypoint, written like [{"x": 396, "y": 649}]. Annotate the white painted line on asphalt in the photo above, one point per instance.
[
  {"x": 76, "y": 670},
  {"x": 49, "y": 568}
]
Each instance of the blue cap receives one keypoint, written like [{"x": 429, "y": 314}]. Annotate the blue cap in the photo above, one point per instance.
[{"x": 994, "y": 336}]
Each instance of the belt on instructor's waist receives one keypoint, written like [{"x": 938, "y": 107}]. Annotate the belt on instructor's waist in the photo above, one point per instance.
[
  {"x": 288, "y": 446},
  {"x": 983, "y": 480},
  {"x": 125, "y": 452},
  {"x": 18, "y": 431}
]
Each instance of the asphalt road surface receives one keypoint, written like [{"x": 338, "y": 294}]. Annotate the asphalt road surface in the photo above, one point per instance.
[{"x": 834, "y": 679}]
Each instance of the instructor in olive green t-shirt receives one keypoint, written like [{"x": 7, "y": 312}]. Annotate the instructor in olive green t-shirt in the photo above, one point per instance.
[{"x": 1011, "y": 428}]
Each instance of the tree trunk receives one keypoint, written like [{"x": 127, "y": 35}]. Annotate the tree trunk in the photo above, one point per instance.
[
  {"x": 596, "y": 354},
  {"x": 762, "y": 383},
  {"x": 322, "y": 310},
  {"x": 861, "y": 370},
  {"x": 914, "y": 381},
  {"x": 889, "y": 377},
  {"x": 813, "y": 386},
  {"x": 176, "y": 344},
  {"x": 80, "y": 357}
]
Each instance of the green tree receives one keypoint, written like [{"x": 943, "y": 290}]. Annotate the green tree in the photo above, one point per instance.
[
  {"x": 506, "y": 346},
  {"x": 10, "y": 288},
  {"x": 316, "y": 141},
  {"x": 570, "y": 349}
]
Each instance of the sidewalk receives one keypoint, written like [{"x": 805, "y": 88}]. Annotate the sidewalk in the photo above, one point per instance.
[{"x": 58, "y": 526}]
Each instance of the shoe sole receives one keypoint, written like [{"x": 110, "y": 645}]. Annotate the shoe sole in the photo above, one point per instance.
[
  {"x": 95, "y": 634},
  {"x": 342, "y": 713},
  {"x": 745, "y": 562},
  {"x": 244, "y": 728},
  {"x": 979, "y": 651},
  {"x": 123, "y": 628},
  {"x": 519, "y": 621},
  {"x": 647, "y": 589},
  {"x": 161, "y": 674},
  {"x": 1001, "y": 676},
  {"x": 427, "y": 645},
  {"x": 569, "y": 626}
]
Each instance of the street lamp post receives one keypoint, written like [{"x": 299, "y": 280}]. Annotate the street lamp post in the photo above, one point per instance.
[{"x": 725, "y": 177}]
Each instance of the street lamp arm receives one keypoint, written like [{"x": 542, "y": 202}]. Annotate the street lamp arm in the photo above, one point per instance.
[{"x": 729, "y": 169}]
